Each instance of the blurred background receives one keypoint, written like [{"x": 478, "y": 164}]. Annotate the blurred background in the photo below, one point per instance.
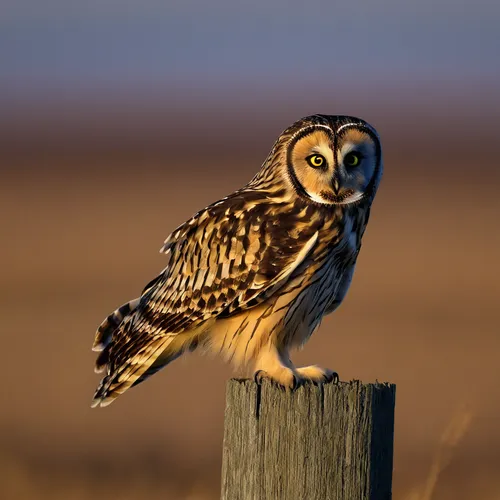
[{"x": 120, "y": 119}]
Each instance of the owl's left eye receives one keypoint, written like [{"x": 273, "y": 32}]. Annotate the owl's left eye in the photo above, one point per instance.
[
  {"x": 352, "y": 159},
  {"x": 316, "y": 161}
]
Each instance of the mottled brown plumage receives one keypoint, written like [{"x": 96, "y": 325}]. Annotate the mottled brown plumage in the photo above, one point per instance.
[{"x": 252, "y": 275}]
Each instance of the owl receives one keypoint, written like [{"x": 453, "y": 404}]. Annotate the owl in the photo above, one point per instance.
[{"x": 252, "y": 275}]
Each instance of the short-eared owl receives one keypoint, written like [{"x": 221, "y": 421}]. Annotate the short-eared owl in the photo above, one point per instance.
[{"x": 253, "y": 274}]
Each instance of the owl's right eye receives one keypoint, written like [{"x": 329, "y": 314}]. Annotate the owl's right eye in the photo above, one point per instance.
[{"x": 316, "y": 161}]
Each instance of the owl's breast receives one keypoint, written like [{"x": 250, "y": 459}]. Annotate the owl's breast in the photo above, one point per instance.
[
  {"x": 344, "y": 240},
  {"x": 326, "y": 281}
]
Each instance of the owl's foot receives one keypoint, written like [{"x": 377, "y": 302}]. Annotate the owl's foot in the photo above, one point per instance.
[
  {"x": 275, "y": 365},
  {"x": 282, "y": 376},
  {"x": 317, "y": 375}
]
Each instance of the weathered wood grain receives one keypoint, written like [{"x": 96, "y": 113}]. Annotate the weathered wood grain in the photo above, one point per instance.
[{"x": 330, "y": 442}]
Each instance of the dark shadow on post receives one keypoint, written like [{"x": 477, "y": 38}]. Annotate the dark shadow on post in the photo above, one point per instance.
[{"x": 330, "y": 442}]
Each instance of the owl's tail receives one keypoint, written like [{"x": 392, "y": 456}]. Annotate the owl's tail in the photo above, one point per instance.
[
  {"x": 124, "y": 374},
  {"x": 131, "y": 349},
  {"x": 106, "y": 329}
]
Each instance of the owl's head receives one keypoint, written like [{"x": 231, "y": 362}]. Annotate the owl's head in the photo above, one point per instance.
[{"x": 331, "y": 160}]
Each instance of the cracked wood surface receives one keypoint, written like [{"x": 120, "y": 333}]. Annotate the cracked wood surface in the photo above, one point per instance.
[{"x": 330, "y": 442}]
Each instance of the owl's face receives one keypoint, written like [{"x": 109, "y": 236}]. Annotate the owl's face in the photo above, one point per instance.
[{"x": 333, "y": 160}]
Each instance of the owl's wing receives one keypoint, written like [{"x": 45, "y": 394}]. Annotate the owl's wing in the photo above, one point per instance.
[
  {"x": 220, "y": 267},
  {"x": 231, "y": 256}
]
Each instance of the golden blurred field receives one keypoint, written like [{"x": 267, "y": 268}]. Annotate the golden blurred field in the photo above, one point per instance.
[{"x": 82, "y": 223}]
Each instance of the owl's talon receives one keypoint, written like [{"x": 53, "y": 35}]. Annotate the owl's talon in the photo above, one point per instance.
[
  {"x": 318, "y": 375},
  {"x": 258, "y": 376},
  {"x": 283, "y": 382},
  {"x": 332, "y": 376}
]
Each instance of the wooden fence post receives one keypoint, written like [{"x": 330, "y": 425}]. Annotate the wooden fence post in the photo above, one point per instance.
[{"x": 330, "y": 442}]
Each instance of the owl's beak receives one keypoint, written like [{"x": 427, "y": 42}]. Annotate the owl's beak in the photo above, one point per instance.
[{"x": 335, "y": 185}]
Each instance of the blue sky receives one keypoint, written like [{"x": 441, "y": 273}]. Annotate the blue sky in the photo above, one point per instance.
[{"x": 145, "y": 43}]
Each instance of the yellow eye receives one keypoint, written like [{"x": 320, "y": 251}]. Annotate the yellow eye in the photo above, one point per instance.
[
  {"x": 352, "y": 159},
  {"x": 316, "y": 161}
]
